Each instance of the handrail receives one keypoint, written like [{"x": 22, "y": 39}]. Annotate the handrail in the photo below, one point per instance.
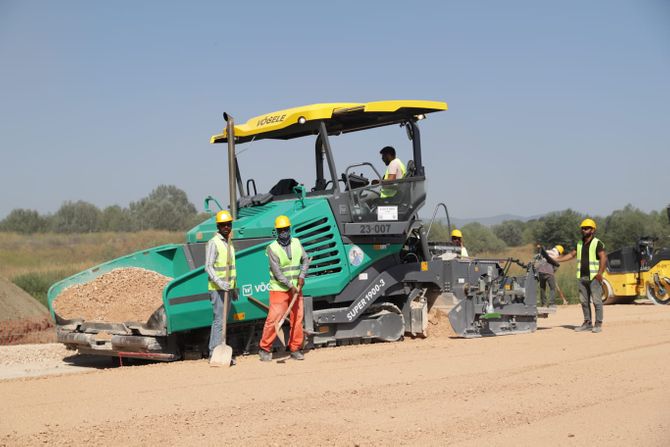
[
  {"x": 209, "y": 199},
  {"x": 433, "y": 219},
  {"x": 253, "y": 182}
]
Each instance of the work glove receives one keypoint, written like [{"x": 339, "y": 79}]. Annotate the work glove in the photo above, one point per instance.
[
  {"x": 293, "y": 291},
  {"x": 225, "y": 285},
  {"x": 301, "y": 283}
]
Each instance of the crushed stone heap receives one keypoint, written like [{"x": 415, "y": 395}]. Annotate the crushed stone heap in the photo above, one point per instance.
[{"x": 126, "y": 294}]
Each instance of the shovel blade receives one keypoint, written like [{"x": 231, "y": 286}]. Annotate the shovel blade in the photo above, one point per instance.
[
  {"x": 280, "y": 334},
  {"x": 221, "y": 356}
]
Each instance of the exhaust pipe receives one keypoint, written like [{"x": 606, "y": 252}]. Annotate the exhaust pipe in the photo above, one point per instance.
[{"x": 230, "y": 134}]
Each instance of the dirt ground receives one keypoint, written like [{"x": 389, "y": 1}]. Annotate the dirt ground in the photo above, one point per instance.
[{"x": 553, "y": 387}]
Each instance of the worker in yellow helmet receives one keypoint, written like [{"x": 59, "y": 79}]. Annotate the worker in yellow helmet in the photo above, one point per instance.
[
  {"x": 546, "y": 268},
  {"x": 288, "y": 268},
  {"x": 591, "y": 263},
  {"x": 220, "y": 268},
  {"x": 457, "y": 240}
]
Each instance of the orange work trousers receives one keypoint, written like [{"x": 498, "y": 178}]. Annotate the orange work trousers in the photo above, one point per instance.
[{"x": 279, "y": 302}]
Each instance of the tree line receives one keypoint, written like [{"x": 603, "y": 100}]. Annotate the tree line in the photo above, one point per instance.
[
  {"x": 165, "y": 208},
  {"x": 621, "y": 228},
  {"x": 168, "y": 208}
]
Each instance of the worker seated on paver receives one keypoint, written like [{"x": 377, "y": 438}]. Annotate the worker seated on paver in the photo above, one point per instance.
[{"x": 395, "y": 170}]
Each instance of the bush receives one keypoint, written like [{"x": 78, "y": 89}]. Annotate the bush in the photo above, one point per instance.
[
  {"x": 23, "y": 221},
  {"x": 559, "y": 228},
  {"x": 166, "y": 208},
  {"x": 115, "y": 218},
  {"x": 510, "y": 232},
  {"x": 76, "y": 217},
  {"x": 624, "y": 227},
  {"x": 478, "y": 238}
]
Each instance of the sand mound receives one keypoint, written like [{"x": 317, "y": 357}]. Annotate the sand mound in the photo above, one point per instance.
[
  {"x": 23, "y": 319},
  {"x": 128, "y": 294},
  {"x": 438, "y": 324},
  {"x": 17, "y": 304}
]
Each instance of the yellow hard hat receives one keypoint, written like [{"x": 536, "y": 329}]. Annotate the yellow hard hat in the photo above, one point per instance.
[
  {"x": 224, "y": 216},
  {"x": 588, "y": 223},
  {"x": 560, "y": 249},
  {"x": 457, "y": 233},
  {"x": 282, "y": 222}
]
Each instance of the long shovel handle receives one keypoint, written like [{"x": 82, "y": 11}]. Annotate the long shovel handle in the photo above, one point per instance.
[
  {"x": 258, "y": 303},
  {"x": 226, "y": 294}
]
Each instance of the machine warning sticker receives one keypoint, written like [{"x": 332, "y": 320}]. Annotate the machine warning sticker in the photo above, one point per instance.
[
  {"x": 356, "y": 256},
  {"x": 387, "y": 213}
]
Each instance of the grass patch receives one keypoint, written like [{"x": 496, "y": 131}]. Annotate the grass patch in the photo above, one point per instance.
[
  {"x": 35, "y": 261},
  {"x": 37, "y": 283}
]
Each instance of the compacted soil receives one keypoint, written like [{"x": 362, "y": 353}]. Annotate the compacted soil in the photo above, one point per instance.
[{"x": 553, "y": 387}]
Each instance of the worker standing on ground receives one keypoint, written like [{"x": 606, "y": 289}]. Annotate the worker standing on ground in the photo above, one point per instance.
[
  {"x": 457, "y": 240},
  {"x": 395, "y": 170},
  {"x": 288, "y": 268},
  {"x": 591, "y": 262},
  {"x": 221, "y": 274},
  {"x": 546, "y": 269}
]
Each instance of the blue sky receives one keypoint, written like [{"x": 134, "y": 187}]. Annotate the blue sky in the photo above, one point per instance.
[{"x": 552, "y": 105}]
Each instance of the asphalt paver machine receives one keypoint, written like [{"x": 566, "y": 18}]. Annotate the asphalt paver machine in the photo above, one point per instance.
[{"x": 373, "y": 274}]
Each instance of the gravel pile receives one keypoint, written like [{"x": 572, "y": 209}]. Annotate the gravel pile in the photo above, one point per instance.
[
  {"x": 128, "y": 294},
  {"x": 24, "y": 354}
]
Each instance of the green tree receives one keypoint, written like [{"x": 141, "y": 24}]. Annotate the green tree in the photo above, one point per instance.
[
  {"x": 510, "y": 232},
  {"x": 663, "y": 217},
  {"x": 116, "y": 218},
  {"x": 559, "y": 228},
  {"x": 624, "y": 227},
  {"x": 76, "y": 217},
  {"x": 166, "y": 208},
  {"x": 478, "y": 238},
  {"x": 23, "y": 221},
  {"x": 530, "y": 231},
  {"x": 439, "y": 232}
]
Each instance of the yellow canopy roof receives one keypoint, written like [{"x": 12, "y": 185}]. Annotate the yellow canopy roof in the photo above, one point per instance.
[{"x": 339, "y": 117}]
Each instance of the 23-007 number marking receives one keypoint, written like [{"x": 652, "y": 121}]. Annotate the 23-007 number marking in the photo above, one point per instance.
[{"x": 376, "y": 228}]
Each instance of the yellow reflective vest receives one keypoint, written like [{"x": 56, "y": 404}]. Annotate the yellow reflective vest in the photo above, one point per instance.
[
  {"x": 289, "y": 267},
  {"x": 594, "y": 262},
  {"x": 221, "y": 264},
  {"x": 391, "y": 191}
]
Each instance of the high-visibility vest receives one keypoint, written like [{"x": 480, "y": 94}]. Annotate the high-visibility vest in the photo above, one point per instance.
[
  {"x": 289, "y": 267},
  {"x": 594, "y": 262},
  {"x": 221, "y": 264},
  {"x": 390, "y": 191}
]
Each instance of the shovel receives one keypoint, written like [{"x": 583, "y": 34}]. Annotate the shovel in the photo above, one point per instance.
[
  {"x": 279, "y": 330},
  {"x": 223, "y": 353}
]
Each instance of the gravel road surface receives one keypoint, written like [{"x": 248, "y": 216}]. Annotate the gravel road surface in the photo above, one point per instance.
[{"x": 554, "y": 387}]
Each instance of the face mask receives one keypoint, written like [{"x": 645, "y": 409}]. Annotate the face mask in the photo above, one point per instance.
[{"x": 284, "y": 237}]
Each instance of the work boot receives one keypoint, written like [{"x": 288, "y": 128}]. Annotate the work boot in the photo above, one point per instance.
[
  {"x": 597, "y": 328},
  {"x": 586, "y": 326},
  {"x": 265, "y": 356},
  {"x": 297, "y": 355}
]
